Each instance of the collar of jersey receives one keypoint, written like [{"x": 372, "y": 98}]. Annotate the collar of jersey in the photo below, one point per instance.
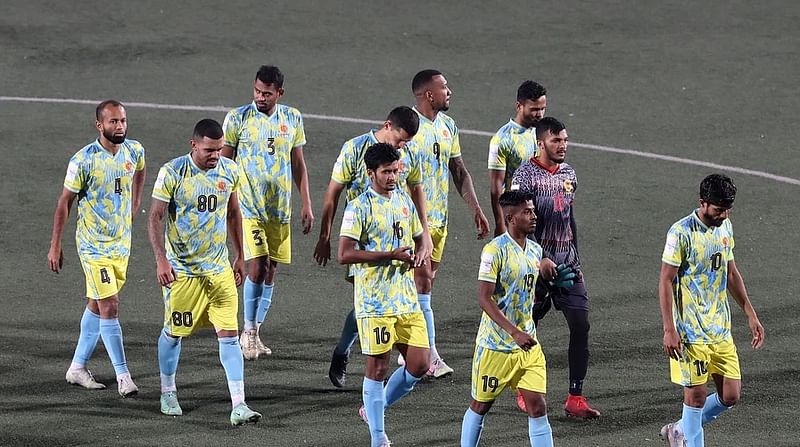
[
  {"x": 519, "y": 126},
  {"x": 375, "y": 193},
  {"x": 262, "y": 113},
  {"x": 536, "y": 161},
  {"x": 194, "y": 165},
  {"x": 508, "y": 235},
  {"x": 700, "y": 221},
  {"x": 104, "y": 150},
  {"x": 423, "y": 117}
]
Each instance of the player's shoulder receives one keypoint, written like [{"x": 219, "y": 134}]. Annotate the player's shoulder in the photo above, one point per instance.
[
  {"x": 497, "y": 244},
  {"x": 178, "y": 164},
  {"x": 685, "y": 224},
  {"x": 228, "y": 165},
  {"x": 566, "y": 169},
  {"x": 289, "y": 112},
  {"x": 134, "y": 146},
  {"x": 448, "y": 121}
]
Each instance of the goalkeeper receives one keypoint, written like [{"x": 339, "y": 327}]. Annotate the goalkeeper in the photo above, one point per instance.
[{"x": 553, "y": 184}]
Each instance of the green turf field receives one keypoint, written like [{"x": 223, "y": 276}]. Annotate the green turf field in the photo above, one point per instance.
[{"x": 713, "y": 81}]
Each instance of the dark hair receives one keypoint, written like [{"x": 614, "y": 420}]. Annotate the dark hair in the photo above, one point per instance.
[
  {"x": 98, "y": 112},
  {"x": 269, "y": 74},
  {"x": 530, "y": 90},
  {"x": 548, "y": 124},
  {"x": 718, "y": 189},
  {"x": 404, "y": 118},
  {"x": 515, "y": 198},
  {"x": 207, "y": 128},
  {"x": 422, "y": 79},
  {"x": 380, "y": 154}
]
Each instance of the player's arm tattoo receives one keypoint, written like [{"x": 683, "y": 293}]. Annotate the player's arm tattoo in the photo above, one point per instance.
[{"x": 463, "y": 182}]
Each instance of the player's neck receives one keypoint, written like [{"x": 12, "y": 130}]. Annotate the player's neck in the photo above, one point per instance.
[
  {"x": 548, "y": 164},
  {"x": 520, "y": 122},
  {"x": 107, "y": 145},
  {"x": 383, "y": 193},
  {"x": 520, "y": 238},
  {"x": 425, "y": 109}
]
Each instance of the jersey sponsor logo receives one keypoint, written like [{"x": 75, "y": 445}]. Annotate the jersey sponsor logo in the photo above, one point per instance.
[
  {"x": 72, "y": 171},
  {"x": 494, "y": 152}
]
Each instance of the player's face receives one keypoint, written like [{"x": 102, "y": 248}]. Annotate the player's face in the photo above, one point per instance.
[
  {"x": 529, "y": 112},
  {"x": 395, "y": 136},
  {"x": 206, "y": 152},
  {"x": 439, "y": 93},
  {"x": 266, "y": 96},
  {"x": 523, "y": 218},
  {"x": 554, "y": 147},
  {"x": 113, "y": 124},
  {"x": 384, "y": 179},
  {"x": 713, "y": 215}
]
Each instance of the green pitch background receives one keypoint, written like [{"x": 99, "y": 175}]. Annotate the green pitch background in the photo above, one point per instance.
[{"x": 713, "y": 81}]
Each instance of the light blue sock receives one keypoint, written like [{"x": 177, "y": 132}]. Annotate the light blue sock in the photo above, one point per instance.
[
  {"x": 251, "y": 296},
  {"x": 713, "y": 408},
  {"x": 692, "y": 424},
  {"x": 425, "y": 304},
  {"x": 471, "y": 428},
  {"x": 539, "y": 432},
  {"x": 266, "y": 301},
  {"x": 372, "y": 395},
  {"x": 111, "y": 332},
  {"x": 87, "y": 340},
  {"x": 349, "y": 334},
  {"x": 169, "y": 351},
  {"x": 399, "y": 384},
  {"x": 230, "y": 355}
]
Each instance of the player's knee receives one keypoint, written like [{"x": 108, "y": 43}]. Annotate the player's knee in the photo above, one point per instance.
[
  {"x": 108, "y": 308},
  {"x": 536, "y": 405},
  {"x": 730, "y": 398},
  {"x": 480, "y": 407}
]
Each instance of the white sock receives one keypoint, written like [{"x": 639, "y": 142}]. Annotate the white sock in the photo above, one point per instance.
[
  {"x": 76, "y": 366},
  {"x": 236, "y": 388},
  {"x": 168, "y": 383}
]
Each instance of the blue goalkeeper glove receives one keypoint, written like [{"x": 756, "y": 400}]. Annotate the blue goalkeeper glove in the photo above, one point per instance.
[{"x": 565, "y": 276}]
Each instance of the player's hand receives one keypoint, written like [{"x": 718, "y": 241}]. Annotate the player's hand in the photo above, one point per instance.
[
  {"x": 307, "y": 218},
  {"x": 758, "y": 332},
  {"x": 165, "y": 273},
  {"x": 672, "y": 344},
  {"x": 481, "y": 224},
  {"x": 322, "y": 252},
  {"x": 238, "y": 271},
  {"x": 565, "y": 276},
  {"x": 55, "y": 258},
  {"x": 404, "y": 254},
  {"x": 424, "y": 249},
  {"x": 547, "y": 269},
  {"x": 523, "y": 340}
]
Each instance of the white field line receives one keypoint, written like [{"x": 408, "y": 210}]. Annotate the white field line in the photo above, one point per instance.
[{"x": 344, "y": 119}]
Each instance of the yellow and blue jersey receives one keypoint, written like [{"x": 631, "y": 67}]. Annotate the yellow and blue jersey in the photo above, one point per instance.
[
  {"x": 379, "y": 223},
  {"x": 701, "y": 310},
  {"x": 511, "y": 146},
  {"x": 197, "y": 226},
  {"x": 435, "y": 143},
  {"x": 104, "y": 183},
  {"x": 263, "y": 147},
  {"x": 514, "y": 271},
  {"x": 351, "y": 171}
]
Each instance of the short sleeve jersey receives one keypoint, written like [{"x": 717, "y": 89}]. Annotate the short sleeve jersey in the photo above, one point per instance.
[
  {"x": 104, "y": 185},
  {"x": 511, "y": 146},
  {"x": 435, "y": 143},
  {"x": 554, "y": 193},
  {"x": 263, "y": 146},
  {"x": 197, "y": 226},
  {"x": 513, "y": 270},
  {"x": 351, "y": 171},
  {"x": 701, "y": 309},
  {"x": 379, "y": 223}
]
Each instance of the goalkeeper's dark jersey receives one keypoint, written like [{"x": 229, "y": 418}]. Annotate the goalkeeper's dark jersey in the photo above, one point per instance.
[{"x": 554, "y": 193}]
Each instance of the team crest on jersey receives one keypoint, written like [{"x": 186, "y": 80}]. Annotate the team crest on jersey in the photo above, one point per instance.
[
  {"x": 401, "y": 166},
  {"x": 536, "y": 264},
  {"x": 221, "y": 185},
  {"x": 128, "y": 167},
  {"x": 406, "y": 212},
  {"x": 284, "y": 129},
  {"x": 445, "y": 133},
  {"x": 568, "y": 186},
  {"x": 725, "y": 241}
]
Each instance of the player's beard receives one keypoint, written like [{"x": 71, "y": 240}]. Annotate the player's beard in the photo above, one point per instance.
[{"x": 116, "y": 139}]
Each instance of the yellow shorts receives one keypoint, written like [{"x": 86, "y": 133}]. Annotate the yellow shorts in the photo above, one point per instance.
[
  {"x": 192, "y": 303},
  {"x": 438, "y": 237},
  {"x": 701, "y": 360},
  {"x": 104, "y": 277},
  {"x": 379, "y": 334},
  {"x": 273, "y": 239},
  {"x": 493, "y": 371}
]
